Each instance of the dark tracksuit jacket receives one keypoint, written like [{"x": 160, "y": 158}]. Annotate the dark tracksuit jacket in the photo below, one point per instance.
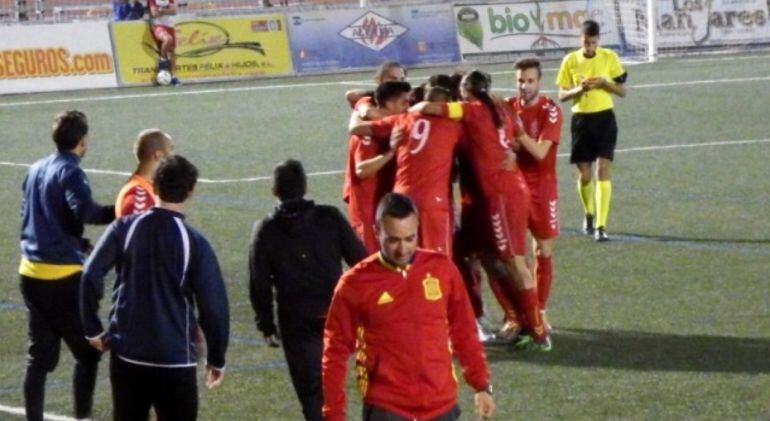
[
  {"x": 56, "y": 203},
  {"x": 297, "y": 250},
  {"x": 166, "y": 270}
]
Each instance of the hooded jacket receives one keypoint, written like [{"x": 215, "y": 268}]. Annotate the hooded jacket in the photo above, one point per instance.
[{"x": 296, "y": 257}]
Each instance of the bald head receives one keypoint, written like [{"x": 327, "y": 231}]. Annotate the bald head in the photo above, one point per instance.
[{"x": 152, "y": 145}]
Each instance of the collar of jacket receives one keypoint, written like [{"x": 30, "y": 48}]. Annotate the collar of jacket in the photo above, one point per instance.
[
  {"x": 69, "y": 156},
  {"x": 159, "y": 209},
  {"x": 387, "y": 264},
  {"x": 293, "y": 207}
]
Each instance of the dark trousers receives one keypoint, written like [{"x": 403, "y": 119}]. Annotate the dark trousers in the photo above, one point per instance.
[
  {"x": 373, "y": 413},
  {"x": 173, "y": 392},
  {"x": 53, "y": 315},
  {"x": 303, "y": 347}
]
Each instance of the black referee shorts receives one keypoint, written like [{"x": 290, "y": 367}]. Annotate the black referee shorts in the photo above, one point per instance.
[{"x": 594, "y": 136}]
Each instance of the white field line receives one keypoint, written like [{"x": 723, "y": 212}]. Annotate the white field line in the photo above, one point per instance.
[
  {"x": 20, "y": 412},
  {"x": 335, "y": 172},
  {"x": 172, "y": 93},
  {"x": 673, "y": 84}
]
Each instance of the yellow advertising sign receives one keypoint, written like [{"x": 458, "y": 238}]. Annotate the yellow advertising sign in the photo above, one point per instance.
[{"x": 206, "y": 48}]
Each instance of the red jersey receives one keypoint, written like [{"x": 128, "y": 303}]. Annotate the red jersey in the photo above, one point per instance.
[
  {"x": 488, "y": 146},
  {"x": 362, "y": 195},
  {"x": 161, "y": 20},
  {"x": 364, "y": 100},
  {"x": 542, "y": 121},
  {"x": 424, "y": 156},
  {"x": 400, "y": 323},
  {"x": 136, "y": 196}
]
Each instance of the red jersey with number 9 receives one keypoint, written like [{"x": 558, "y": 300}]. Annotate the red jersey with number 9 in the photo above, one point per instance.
[{"x": 423, "y": 157}]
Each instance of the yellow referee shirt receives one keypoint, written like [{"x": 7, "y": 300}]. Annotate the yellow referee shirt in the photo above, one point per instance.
[{"x": 575, "y": 67}]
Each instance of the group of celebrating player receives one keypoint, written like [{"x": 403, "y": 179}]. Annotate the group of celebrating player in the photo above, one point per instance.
[
  {"x": 396, "y": 308},
  {"x": 503, "y": 152}
]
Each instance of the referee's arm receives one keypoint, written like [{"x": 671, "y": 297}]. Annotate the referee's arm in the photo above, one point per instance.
[
  {"x": 211, "y": 300},
  {"x": 101, "y": 261}
]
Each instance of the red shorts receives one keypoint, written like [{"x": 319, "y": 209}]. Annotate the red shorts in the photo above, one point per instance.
[
  {"x": 508, "y": 206},
  {"x": 544, "y": 218},
  {"x": 436, "y": 230},
  {"x": 366, "y": 234},
  {"x": 159, "y": 32},
  {"x": 362, "y": 222}
]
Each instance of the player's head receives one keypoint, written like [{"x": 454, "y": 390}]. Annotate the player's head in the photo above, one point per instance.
[
  {"x": 70, "y": 132},
  {"x": 289, "y": 180},
  {"x": 393, "y": 96},
  {"x": 439, "y": 94},
  {"x": 417, "y": 94},
  {"x": 390, "y": 71},
  {"x": 396, "y": 225},
  {"x": 528, "y": 75},
  {"x": 450, "y": 83},
  {"x": 152, "y": 146},
  {"x": 589, "y": 37},
  {"x": 175, "y": 179},
  {"x": 477, "y": 85}
]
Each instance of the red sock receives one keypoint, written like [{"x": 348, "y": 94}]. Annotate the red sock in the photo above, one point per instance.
[
  {"x": 504, "y": 297},
  {"x": 544, "y": 276},
  {"x": 531, "y": 308}
]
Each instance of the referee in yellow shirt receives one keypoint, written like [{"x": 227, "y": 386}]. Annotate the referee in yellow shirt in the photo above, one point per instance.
[{"x": 589, "y": 77}]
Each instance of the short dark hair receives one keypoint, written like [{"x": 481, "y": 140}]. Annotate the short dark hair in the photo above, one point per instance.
[
  {"x": 289, "y": 180},
  {"x": 69, "y": 128},
  {"x": 175, "y": 179},
  {"x": 395, "y": 205},
  {"x": 439, "y": 94},
  {"x": 529, "y": 63},
  {"x": 590, "y": 28},
  {"x": 389, "y": 90},
  {"x": 417, "y": 94}
]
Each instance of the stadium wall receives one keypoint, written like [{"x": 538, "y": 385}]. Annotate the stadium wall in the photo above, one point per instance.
[
  {"x": 39, "y": 58},
  {"x": 101, "y": 54}
]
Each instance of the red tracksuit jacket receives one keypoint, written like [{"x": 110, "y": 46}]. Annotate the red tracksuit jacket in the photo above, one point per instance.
[{"x": 400, "y": 324}]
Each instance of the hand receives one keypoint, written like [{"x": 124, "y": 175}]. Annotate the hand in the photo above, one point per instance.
[
  {"x": 485, "y": 405},
  {"x": 100, "y": 344},
  {"x": 214, "y": 377},
  {"x": 593, "y": 83},
  {"x": 273, "y": 341},
  {"x": 396, "y": 136}
]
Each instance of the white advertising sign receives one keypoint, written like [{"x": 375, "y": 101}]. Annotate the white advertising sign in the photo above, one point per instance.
[{"x": 40, "y": 58}]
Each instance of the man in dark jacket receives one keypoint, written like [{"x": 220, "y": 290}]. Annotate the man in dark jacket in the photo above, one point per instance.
[
  {"x": 298, "y": 250},
  {"x": 165, "y": 271},
  {"x": 56, "y": 202}
]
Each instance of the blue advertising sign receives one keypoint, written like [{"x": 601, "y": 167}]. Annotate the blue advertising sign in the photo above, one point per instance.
[{"x": 331, "y": 40}]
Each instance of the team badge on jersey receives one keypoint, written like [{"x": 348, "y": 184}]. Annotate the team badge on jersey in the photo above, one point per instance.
[{"x": 432, "y": 288}]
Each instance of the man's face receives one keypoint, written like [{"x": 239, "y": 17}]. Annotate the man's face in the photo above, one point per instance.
[
  {"x": 589, "y": 44},
  {"x": 398, "y": 104},
  {"x": 528, "y": 83},
  {"x": 82, "y": 146},
  {"x": 398, "y": 238},
  {"x": 393, "y": 74}
]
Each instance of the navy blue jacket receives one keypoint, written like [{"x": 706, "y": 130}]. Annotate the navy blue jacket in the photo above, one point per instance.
[
  {"x": 165, "y": 270},
  {"x": 56, "y": 203}
]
